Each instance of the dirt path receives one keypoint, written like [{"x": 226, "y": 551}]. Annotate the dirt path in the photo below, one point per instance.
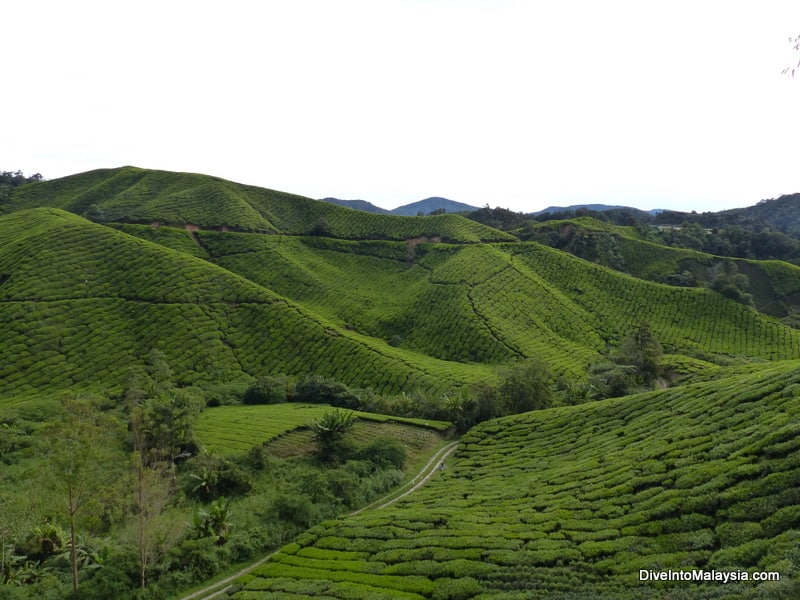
[{"x": 217, "y": 589}]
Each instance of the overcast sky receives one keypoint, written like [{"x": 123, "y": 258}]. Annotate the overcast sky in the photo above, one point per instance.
[{"x": 654, "y": 104}]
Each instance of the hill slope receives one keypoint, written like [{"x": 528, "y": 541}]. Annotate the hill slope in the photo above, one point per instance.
[
  {"x": 133, "y": 195},
  {"x": 430, "y": 204},
  {"x": 81, "y": 303},
  {"x": 574, "y": 502},
  {"x": 774, "y": 285}
]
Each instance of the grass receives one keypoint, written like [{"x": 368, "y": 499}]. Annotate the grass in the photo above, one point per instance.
[{"x": 572, "y": 502}]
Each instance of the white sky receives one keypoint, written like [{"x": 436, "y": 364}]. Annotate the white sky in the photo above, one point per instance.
[{"x": 655, "y": 104}]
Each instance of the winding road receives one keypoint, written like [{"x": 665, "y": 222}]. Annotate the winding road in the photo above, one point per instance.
[{"x": 219, "y": 588}]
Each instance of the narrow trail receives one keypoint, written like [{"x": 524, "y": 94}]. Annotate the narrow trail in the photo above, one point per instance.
[{"x": 219, "y": 588}]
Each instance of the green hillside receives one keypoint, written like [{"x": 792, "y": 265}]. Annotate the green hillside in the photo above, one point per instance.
[
  {"x": 228, "y": 430},
  {"x": 133, "y": 195},
  {"x": 81, "y": 303},
  {"x": 433, "y": 318},
  {"x": 494, "y": 302},
  {"x": 573, "y": 502},
  {"x": 773, "y": 284}
]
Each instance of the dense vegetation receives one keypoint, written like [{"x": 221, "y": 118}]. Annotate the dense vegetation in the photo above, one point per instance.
[
  {"x": 145, "y": 491},
  {"x": 768, "y": 230},
  {"x": 131, "y": 195},
  {"x": 195, "y": 371},
  {"x": 573, "y": 502},
  {"x": 10, "y": 180}
]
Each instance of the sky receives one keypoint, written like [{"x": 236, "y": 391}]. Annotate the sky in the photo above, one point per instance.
[{"x": 521, "y": 104}]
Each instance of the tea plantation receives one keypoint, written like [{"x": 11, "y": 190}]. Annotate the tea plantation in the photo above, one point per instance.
[
  {"x": 574, "y": 502},
  {"x": 111, "y": 278},
  {"x": 232, "y": 430}
]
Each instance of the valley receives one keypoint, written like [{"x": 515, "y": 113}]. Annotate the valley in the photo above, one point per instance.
[{"x": 276, "y": 363}]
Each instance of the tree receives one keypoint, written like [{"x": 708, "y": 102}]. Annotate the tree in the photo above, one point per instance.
[
  {"x": 329, "y": 432},
  {"x": 82, "y": 450},
  {"x": 526, "y": 386},
  {"x": 153, "y": 490},
  {"x": 268, "y": 390},
  {"x": 321, "y": 228},
  {"x": 642, "y": 350},
  {"x": 164, "y": 426},
  {"x": 731, "y": 284},
  {"x": 214, "y": 522}
]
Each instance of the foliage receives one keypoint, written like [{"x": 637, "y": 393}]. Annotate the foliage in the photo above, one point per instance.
[
  {"x": 213, "y": 522},
  {"x": 10, "y": 180},
  {"x": 526, "y": 386},
  {"x": 268, "y": 390},
  {"x": 642, "y": 350},
  {"x": 385, "y": 452},
  {"x": 208, "y": 477},
  {"x": 131, "y": 195},
  {"x": 322, "y": 390},
  {"x": 165, "y": 424},
  {"x": 732, "y": 284},
  {"x": 568, "y": 498},
  {"x": 79, "y": 448},
  {"x": 795, "y": 42},
  {"x": 570, "y": 501},
  {"x": 329, "y": 433}
]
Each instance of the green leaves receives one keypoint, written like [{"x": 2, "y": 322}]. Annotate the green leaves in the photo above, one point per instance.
[
  {"x": 329, "y": 433},
  {"x": 578, "y": 498}
]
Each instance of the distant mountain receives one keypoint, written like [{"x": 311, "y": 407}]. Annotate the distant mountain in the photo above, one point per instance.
[
  {"x": 592, "y": 207},
  {"x": 358, "y": 205},
  {"x": 779, "y": 214},
  {"x": 408, "y": 210},
  {"x": 430, "y": 204}
]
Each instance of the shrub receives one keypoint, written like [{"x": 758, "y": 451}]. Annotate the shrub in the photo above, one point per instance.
[
  {"x": 207, "y": 477},
  {"x": 385, "y": 452},
  {"x": 200, "y": 558},
  {"x": 267, "y": 390},
  {"x": 320, "y": 390},
  {"x": 294, "y": 508},
  {"x": 329, "y": 434},
  {"x": 526, "y": 386},
  {"x": 456, "y": 589}
]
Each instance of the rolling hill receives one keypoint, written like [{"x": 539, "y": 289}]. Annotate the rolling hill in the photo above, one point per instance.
[
  {"x": 576, "y": 502},
  {"x": 133, "y": 195},
  {"x": 400, "y": 312},
  {"x": 421, "y": 207},
  {"x": 81, "y": 303},
  {"x": 232, "y": 282}
]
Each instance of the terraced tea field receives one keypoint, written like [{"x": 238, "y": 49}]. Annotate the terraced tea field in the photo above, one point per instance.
[
  {"x": 132, "y": 195},
  {"x": 81, "y": 303},
  {"x": 231, "y": 430},
  {"x": 573, "y": 502}
]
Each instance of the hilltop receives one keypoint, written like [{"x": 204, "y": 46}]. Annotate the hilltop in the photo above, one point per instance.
[
  {"x": 780, "y": 214},
  {"x": 133, "y": 195},
  {"x": 422, "y": 207}
]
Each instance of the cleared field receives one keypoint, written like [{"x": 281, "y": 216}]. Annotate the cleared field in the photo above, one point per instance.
[
  {"x": 230, "y": 430},
  {"x": 573, "y": 502}
]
